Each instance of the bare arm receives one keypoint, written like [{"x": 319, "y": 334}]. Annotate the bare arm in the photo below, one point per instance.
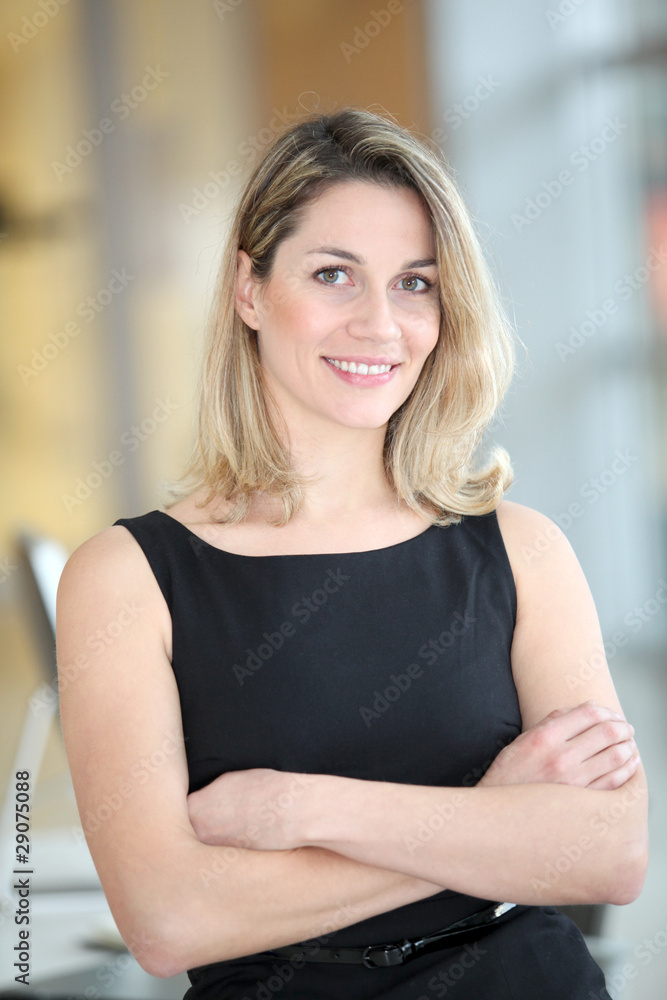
[
  {"x": 585, "y": 753},
  {"x": 516, "y": 842},
  {"x": 178, "y": 903},
  {"x": 525, "y": 843},
  {"x": 506, "y": 842}
]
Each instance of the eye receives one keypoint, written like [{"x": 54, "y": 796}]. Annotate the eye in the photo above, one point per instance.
[
  {"x": 326, "y": 272},
  {"x": 413, "y": 278}
]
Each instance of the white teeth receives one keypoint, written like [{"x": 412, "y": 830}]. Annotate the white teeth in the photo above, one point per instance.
[{"x": 360, "y": 368}]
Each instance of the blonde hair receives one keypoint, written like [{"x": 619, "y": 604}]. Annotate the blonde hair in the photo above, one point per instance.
[{"x": 431, "y": 439}]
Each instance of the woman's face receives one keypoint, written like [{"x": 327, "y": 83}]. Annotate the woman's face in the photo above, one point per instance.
[{"x": 356, "y": 284}]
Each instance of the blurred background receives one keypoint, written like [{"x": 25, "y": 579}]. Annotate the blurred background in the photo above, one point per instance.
[{"x": 127, "y": 129}]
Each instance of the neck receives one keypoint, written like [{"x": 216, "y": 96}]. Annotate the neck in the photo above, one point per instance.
[{"x": 347, "y": 467}]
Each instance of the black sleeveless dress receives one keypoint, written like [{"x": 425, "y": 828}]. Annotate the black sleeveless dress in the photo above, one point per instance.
[{"x": 386, "y": 665}]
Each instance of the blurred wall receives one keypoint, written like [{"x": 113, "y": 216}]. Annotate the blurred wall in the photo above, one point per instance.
[
  {"x": 126, "y": 131},
  {"x": 546, "y": 112}
]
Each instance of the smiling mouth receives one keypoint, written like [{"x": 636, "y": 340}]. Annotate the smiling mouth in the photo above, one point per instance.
[{"x": 360, "y": 367}]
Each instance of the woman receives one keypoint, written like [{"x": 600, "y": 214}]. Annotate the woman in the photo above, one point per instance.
[{"x": 353, "y": 704}]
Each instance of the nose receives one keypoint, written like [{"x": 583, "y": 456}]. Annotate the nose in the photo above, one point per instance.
[{"x": 373, "y": 316}]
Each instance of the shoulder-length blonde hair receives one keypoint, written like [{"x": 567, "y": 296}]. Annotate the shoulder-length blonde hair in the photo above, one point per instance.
[{"x": 431, "y": 438}]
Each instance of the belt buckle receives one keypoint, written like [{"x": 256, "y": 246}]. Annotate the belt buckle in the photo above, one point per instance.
[{"x": 377, "y": 956}]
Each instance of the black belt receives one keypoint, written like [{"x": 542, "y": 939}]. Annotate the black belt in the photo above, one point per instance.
[{"x": 376, "y": 956}]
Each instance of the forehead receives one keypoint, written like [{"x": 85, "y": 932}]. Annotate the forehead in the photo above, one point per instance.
[{"x": 357, "y": 214}]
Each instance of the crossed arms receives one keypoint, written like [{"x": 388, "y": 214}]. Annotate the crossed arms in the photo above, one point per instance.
[{"x": 188, "y": 885}]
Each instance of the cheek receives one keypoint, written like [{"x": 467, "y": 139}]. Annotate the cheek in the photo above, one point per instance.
[
  {"x": 289, "y": 339},
  {"x": 295, "y": 320},
  {"x": 306, "y": 322},
  {"x": 425, "y": 330}
]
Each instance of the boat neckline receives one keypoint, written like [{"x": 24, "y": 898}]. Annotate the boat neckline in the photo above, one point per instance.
[{"x": 294, "y": 555}]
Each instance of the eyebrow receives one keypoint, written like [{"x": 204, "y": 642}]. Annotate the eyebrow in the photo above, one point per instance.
[{"x": 346, "y": 255}]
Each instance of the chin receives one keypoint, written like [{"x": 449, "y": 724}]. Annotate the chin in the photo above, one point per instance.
[{"x": 370, "y": 422}]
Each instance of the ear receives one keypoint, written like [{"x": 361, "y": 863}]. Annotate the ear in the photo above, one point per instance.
[{"x": 244, "y": 300}]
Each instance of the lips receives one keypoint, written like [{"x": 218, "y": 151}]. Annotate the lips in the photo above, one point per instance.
[
  {"x": 359, "y": 359},
  {"x": 363, "y": 380}
]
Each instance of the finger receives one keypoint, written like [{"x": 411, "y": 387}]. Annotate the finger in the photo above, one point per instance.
[
  {"x": 580, "y": 718},
  {"x": 608, "y": 761},
  {"x": 554, "y": 714},
  {"x": 618, "y": 777},
  {"x": 600, "y": 737}
]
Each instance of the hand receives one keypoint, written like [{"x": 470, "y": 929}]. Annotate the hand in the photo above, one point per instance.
[
  {"x": 589, "y": 746},
  {"x": 256, "y": 808}
]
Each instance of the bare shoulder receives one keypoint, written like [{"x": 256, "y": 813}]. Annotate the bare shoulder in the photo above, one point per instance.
[
  {"x": 106, "y": 563},
  {"x": 535, "y": 544},
  {"x": 109, "y": 549},
  {"x": 525, "y": 524},
  {"x": 108, "y": 572}
]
